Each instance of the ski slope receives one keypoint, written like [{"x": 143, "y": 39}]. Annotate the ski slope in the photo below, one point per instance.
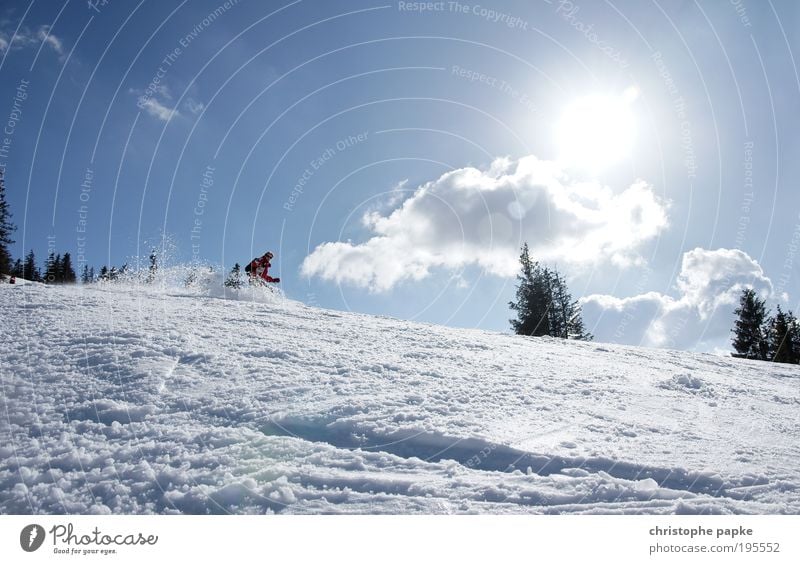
[{"x": 123, "y": 399}]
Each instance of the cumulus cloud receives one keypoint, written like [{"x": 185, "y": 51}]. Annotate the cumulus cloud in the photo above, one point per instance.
[
  {"x": 471, "y": 216},
  {"x": 700, "y": 317},
  {"x": 26, "y": 37}
]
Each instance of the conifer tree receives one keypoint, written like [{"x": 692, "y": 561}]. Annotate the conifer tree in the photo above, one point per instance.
[
  {"x": 749, "y": 333},
  {"x": 542, "y": 301},
  {"x": 544, "y": 305},
  {"x": 559, "y": 310},
  {"x": 16, "y": 270},
  {"x": 67, "y": 271},
  {"x": 566, "y": 317},
  {"x": 576, "y": 329},
  {"x": 522, "y": 305},
  {"x": 530, "y": 305},
  {"x": 29, "y": 269},
  {"x": 234, "y": 279},
  {"x": 794, "y": 338},
  {"x": 59, "y": 269},
  {"x": 50, "y": 274},
  {"x": 782, "y": 337},
  {"x": 6, "y": 229}
]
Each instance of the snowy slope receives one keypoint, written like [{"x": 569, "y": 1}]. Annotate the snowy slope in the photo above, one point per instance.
[{"x": 125, "y": 400}]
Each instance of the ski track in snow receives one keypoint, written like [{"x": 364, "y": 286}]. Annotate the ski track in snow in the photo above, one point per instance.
[{"x": 119, "y": 399}]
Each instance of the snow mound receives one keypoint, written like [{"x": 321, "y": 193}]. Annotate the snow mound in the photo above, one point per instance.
[{"x": 687, "y": 383}]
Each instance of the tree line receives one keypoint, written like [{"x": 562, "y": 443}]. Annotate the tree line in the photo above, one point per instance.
[
  {"x": 58, "y": 267},
  {"x": 757, "y": 335},
  {"x": 544, "y": 304},
  {"x": 6, "y": 229}
]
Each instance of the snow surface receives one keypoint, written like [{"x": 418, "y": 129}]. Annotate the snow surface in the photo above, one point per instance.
[{"x": 123, "y": 399}]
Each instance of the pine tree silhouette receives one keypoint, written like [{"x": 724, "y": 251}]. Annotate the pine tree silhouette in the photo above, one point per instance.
[
  {"x": 530, "y": 305},
  {"x": 782, "y": 335},
  {"x": 29, "y": 269},
  {"x": 544, "y": 305},
  {"x": 50, "y": 269},
  {"x": 234, "y": 279},
  {"x": 749, "y": 333},
  {"x": 6, "y": 229},
  {"x": 67, "y": 272},
  {"x": 17, "y": 270}
]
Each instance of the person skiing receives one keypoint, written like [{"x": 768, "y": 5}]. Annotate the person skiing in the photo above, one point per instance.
[{"x": 259, "y": 268}]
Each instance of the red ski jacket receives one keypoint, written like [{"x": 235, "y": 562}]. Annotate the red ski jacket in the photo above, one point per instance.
[{"x": 260, "y": 267}]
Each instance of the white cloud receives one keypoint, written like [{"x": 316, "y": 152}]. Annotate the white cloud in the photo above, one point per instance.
[
  {"x": 709, "y": 279},
  {"x": 147, "y": 101},
  {"x": 470, "y": 216},
  {"x": 157, "y": 109},
  {"x": 26, "y": 37},
  {"x": 193, "y": 106},
  {"x": 708, "y": 286},
  {"x": 51, "y": 40},
  {"x": 398, "y": 192}
]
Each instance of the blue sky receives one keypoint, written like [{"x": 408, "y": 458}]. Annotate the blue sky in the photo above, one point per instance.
[{"x": 394, "y": 158}]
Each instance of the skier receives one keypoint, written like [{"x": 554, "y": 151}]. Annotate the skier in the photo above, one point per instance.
[{"x": 259, "y": 268}]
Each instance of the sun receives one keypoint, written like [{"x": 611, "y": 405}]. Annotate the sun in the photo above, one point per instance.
[{"x": 597, "y": 130}]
